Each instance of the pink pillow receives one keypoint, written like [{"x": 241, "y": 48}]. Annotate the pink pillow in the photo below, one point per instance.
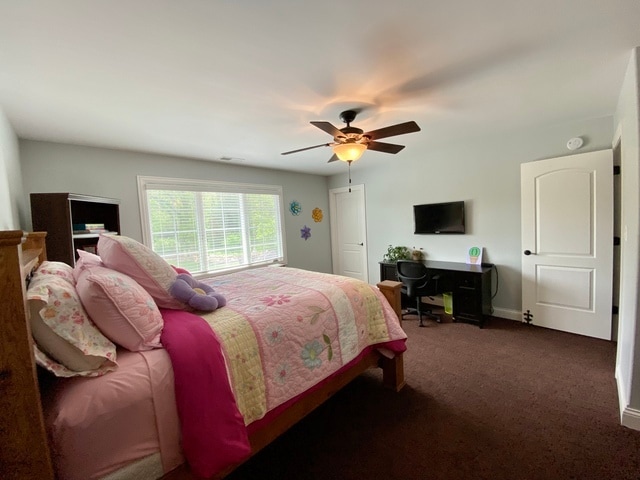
[
  {"x": 121, "y": 308},
  {"x": 180, "y": 270},
  {"x": 142, "y": 264},
  {"x": 85, "y": 260}
]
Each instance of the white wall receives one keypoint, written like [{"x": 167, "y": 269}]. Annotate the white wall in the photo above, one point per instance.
[
  {"x": 627, "y": 124},
  {"x": 54, "y": 167},
  {"x": 10, "y": 178},
  {"x": 485, "y": 173}
]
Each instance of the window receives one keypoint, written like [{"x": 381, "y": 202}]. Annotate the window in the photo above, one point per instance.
[{"x": 206, "y": 226}]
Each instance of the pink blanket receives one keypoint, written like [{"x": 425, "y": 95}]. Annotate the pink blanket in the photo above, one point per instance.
[{"x": 214, "y": 436}]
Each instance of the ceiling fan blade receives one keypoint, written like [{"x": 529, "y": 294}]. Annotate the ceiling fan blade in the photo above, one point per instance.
[
  {"x": 306, "y": 148},
  {"x": 384, "y": 147},
  {"x": 393, "y": 130},
  {"x": 333, "y": 158},
  {"x": 329, "y": 128}
]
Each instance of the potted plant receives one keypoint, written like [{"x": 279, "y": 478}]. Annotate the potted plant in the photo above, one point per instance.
[{"x": 396, "y": 253}]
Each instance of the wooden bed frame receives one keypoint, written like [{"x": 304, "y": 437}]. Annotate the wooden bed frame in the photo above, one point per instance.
[{"x": 24, "y": 453}]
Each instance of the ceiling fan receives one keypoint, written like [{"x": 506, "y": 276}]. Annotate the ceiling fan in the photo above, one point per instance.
[{"x": 349, "y": 143}]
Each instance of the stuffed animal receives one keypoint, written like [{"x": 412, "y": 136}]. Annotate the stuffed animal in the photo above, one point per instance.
[{"x": 197, "y": 295}]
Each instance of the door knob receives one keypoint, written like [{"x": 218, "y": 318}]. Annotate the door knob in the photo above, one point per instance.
[{"x": 527, "y": 252}]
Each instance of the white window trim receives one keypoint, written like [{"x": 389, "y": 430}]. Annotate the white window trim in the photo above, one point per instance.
[{"x": 168, "y": 183}]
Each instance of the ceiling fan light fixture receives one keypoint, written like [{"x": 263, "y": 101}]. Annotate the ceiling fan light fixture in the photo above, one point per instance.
[{"x": 349, "y": 152}]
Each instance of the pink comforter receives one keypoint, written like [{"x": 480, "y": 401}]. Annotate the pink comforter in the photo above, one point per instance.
[{"x": 282, "y": 332}]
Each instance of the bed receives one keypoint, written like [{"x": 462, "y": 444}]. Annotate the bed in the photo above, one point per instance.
[{"x": 38, "y": 444}]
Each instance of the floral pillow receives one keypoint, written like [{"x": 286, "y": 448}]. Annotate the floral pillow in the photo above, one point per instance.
[
  {"x": 121, "y": 308},
  {"x": 67, "y": 342},
  {"x": 59, "y": 269},
  {"x": 146, "y": 267}
]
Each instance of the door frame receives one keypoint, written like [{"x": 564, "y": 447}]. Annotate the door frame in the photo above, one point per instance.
[{"x": 353, "y": 189}]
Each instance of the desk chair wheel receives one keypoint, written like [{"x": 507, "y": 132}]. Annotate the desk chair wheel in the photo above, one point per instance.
[
  {"x": 431, "y": 315},
  {"x": 418, "y": 311}
]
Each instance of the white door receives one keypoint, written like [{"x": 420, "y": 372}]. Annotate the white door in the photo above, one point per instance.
[
  {"x": 567, "y": 243},
  {"x": 348, "y": 232}
]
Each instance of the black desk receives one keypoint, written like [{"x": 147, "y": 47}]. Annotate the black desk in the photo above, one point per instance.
[{"x": 470, "y": 286}]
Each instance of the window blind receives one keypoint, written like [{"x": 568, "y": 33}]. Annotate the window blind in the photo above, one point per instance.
[{"x": 212, "y": 226}]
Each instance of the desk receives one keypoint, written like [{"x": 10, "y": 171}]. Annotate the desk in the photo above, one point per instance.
[{"x": 470, "y": 286}]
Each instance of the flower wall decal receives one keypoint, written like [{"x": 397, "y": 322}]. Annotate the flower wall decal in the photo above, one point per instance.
[
  {"x": 317, "y": 215},
  {"x": 295, "y": 208},
  {"x": 305, "y": 232}
]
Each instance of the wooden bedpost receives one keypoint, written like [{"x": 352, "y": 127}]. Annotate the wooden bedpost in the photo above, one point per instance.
[
  {"x": 24, "y": 452},
  {"x": 393, "y": 372},
  {"x": 392, "y": 368},
  {"x": 391, "y": 291}
]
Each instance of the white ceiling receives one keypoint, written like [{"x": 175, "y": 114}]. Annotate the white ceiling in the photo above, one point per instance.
[{"x": 243, "y": 79}]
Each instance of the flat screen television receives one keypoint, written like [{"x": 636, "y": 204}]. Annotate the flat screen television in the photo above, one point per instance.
[{"x": 445, "y": 217}]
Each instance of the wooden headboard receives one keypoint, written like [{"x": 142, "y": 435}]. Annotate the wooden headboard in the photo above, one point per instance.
[{"x": 24, "y": 453}]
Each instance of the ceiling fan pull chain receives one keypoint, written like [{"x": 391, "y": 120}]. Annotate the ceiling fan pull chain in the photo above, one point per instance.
[{"x": 349, "y": 162}]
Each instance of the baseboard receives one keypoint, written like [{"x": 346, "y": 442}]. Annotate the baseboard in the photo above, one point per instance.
[
  {"x": 622, "y": 393},
  {"x": 629, "y": 417},
  {"x": 507, "y": 313}
]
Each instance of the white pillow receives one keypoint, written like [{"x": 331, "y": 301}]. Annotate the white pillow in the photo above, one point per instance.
[
  {"x": 56, "y": 347},
  {"x": 58, "y": 269}
]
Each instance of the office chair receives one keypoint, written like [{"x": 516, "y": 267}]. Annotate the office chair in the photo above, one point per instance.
[{"x": 416, "y": 283}]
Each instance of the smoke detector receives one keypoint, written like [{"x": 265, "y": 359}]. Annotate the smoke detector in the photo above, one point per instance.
[{"x": 575, "y": 143}]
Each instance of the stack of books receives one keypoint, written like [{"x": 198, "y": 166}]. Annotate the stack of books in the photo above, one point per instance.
[{"x": 79, "y": 228}]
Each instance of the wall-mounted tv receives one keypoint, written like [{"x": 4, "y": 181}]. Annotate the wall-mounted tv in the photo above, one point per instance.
[{"x": 439, "y": 217}]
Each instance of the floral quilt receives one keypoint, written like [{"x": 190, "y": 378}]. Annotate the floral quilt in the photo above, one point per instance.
[{"x": 284, "y": 330}]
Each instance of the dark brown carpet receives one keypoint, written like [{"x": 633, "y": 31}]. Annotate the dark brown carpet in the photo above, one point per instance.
[{"x": 510, "y": 401}]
